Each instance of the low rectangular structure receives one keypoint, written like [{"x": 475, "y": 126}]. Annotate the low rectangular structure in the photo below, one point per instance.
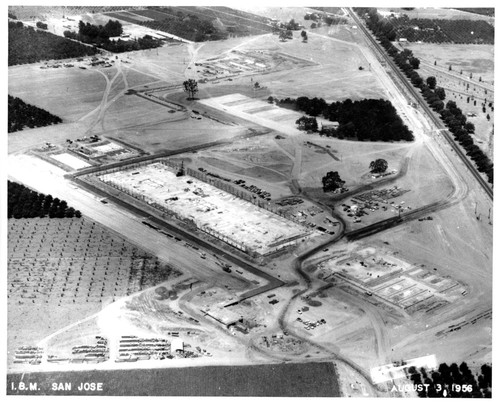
[
  {"x": 237, "y": 222},
  {"x": 70, "y": 160}
]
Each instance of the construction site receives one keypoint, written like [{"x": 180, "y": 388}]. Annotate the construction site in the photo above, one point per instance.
[
  {"x": 393, "y": 280},
  {"x": 248, "y": 62},
  {"x": 239, "y": 223}
]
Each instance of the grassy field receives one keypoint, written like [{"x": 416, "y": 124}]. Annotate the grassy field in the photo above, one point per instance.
[
  {"x": 287, "y": 380},
  {"x": 67, "y": 93}
]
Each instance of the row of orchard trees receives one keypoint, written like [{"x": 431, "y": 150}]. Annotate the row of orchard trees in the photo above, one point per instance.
[
  {"x": 451, "y": 115},
  {"x": 26, "y": 203}
]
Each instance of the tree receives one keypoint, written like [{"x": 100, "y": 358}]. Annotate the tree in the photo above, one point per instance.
[
  {"x": 191, "y": 87},
  {"x": 331, "y": 182},
  {"x": 307, "y": 123},
  {"x": 303, "y": 34},
  {"x": 283, "y": 35},
  {"x": 431, "y": 82},
  {"x": 414, "y": 62},
  {"x": 378, "y": 166},
  {"x": 469, "y": 127}
]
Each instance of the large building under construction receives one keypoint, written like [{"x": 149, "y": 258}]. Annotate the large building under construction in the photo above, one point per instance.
[{"x": 238, "y": 222}]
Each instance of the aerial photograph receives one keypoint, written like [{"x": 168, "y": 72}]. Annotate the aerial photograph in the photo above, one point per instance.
[{"x": 249, "y": 200}]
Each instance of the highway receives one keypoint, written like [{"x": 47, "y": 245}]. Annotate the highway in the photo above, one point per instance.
[{"x": 428, "y": 111}]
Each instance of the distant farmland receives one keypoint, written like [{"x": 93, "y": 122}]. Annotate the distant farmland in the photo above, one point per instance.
[
  {"x": 285, "y": 380},
  {"x": 198, "y": 23},
  {"x": 444, "y": 31}
]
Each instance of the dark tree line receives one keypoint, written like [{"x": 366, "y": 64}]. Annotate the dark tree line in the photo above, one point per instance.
[
  {"x": 452, "y": 117},
  {"x": 27, "y": 45},
  {"x": 364, "y": 120},
  {"x": 457, "y": 123},
  {"x": 26, "y": 203},
  {"x": 21, "y": 115},
  {"x": 452, "y": 381},
  {"x": 100, "y": 35}
]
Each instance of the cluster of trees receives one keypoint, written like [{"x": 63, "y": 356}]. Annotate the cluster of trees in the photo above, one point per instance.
[
  {"x": 367, "y": 119},
  {"x": 292, "y": 25},
  {"x": 99, "y": 36},
  {"x": 27, "y": 45},
  {"x": 26, "y": 203},
  {"x": 378, "y": 166},
  {"x": 42, "y": 25},
  {"x": 331, "y": 181},
  {"x": 454, "y": 119},
  {"x": 307, "y": 123},
  {"x": 191, "y": 87},
  {"x": 90, "y": 33},
  {"x": 21, "y": 115},
  {"x": 285, "y": 34},
  {"x": 452, "y": 381}
]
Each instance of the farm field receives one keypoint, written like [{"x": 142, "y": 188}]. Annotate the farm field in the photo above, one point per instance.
[
  {"x": 290, "y": 380},
  {"x": 437, "y": 13},
  {"x": 223, "y": 21},
  {"x": 63, "y": 270}
]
